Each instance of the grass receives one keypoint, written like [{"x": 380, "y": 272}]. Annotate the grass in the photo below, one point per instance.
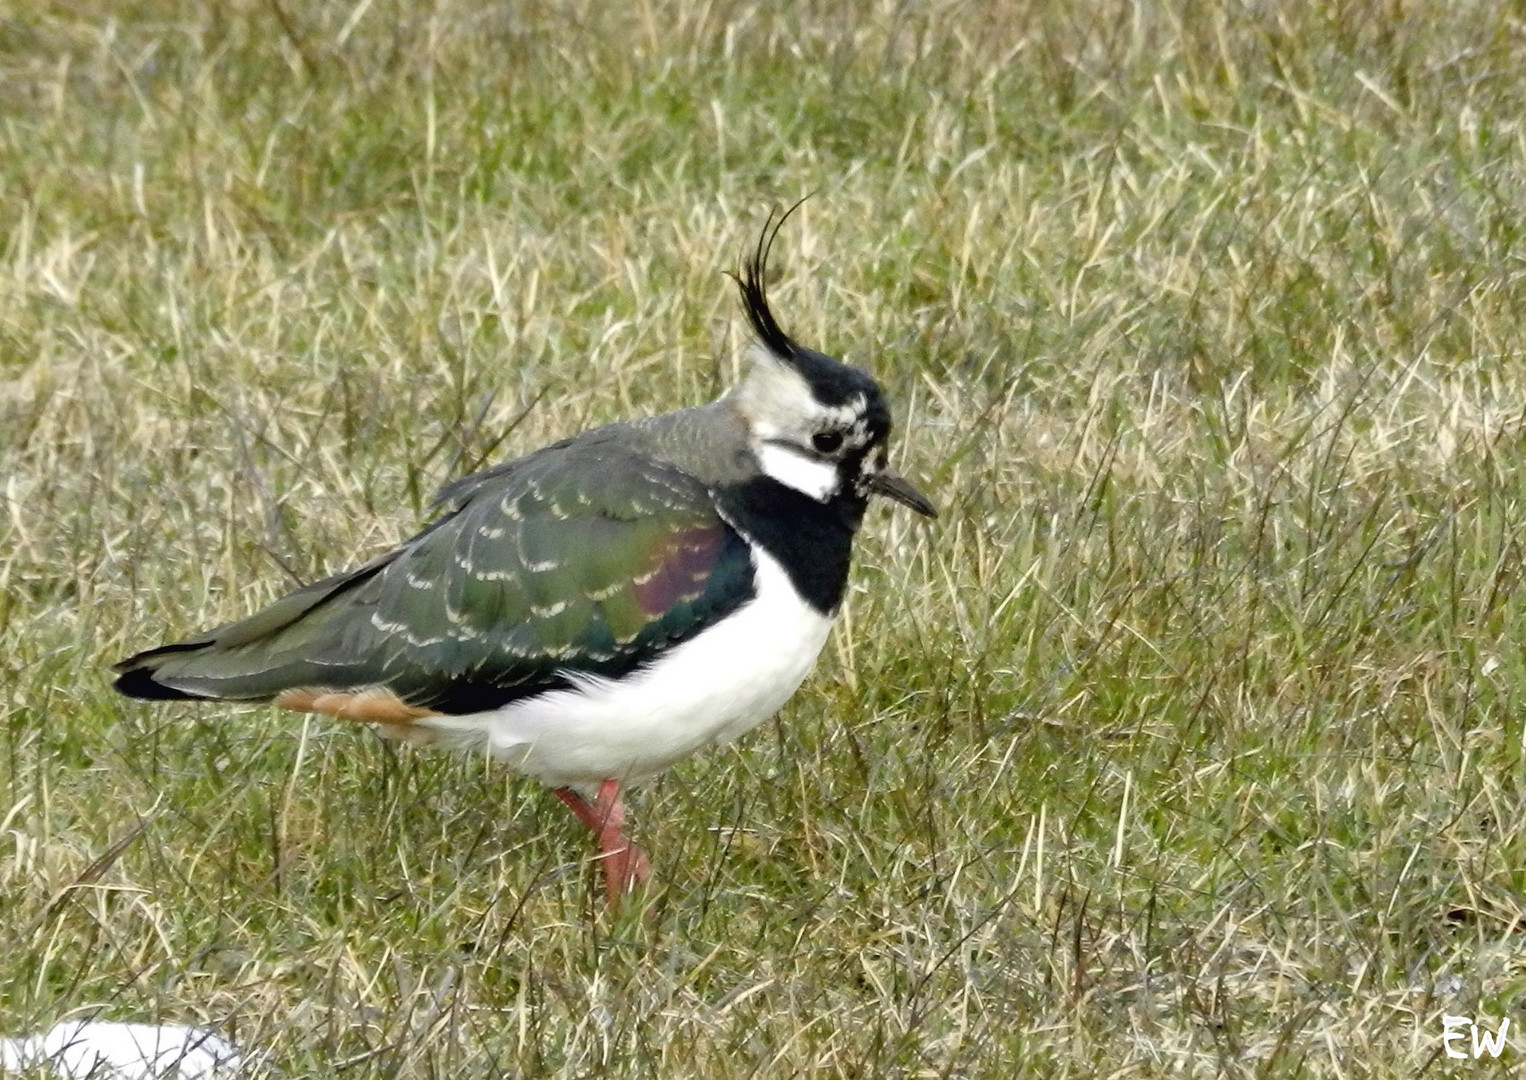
[{"x": 1189, "y": 741}]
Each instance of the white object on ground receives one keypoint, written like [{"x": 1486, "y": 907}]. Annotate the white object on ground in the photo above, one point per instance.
[{"x": 109, "y": 1051}]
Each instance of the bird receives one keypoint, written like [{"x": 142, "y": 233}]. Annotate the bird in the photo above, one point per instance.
[{"x": 601, "y": 608}]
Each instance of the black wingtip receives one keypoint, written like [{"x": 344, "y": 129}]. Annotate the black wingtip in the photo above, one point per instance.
[
  {"x": 140, "y": 683},
  {"x": 752, "y": 279},
  {"x": 135, "y": 676}
]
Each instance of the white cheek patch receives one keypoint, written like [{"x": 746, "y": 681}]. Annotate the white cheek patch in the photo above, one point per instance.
[{"x": 818, "y": 479}]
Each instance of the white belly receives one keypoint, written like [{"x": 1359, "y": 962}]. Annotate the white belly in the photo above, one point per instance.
[{"x": 709, "y": 689}]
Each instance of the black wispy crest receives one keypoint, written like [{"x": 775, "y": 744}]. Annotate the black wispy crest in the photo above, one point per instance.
[{"x": 755, "y": 290}]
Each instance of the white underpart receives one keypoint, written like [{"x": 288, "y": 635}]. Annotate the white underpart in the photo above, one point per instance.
[
  {"x": 710, "y": 689},
  {"x": 102, "y": 1049},
  {"x": 810, "y": 476}
]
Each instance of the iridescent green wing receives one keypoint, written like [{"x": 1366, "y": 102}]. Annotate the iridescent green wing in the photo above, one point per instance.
[{"x": 583, "y": 558}]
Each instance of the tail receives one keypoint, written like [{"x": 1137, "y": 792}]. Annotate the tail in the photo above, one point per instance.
[
  {"x": 136, "y": 675},
  {"x": 291, "y": 643}
]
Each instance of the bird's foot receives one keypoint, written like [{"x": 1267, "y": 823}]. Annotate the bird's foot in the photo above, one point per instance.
[{"x": 624, "y": 864}]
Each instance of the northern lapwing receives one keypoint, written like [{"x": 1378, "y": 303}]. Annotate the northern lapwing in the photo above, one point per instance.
[{"x": 596, "y": 610}]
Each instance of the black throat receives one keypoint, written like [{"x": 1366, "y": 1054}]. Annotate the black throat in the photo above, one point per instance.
[{"x": 812, "y": 540}]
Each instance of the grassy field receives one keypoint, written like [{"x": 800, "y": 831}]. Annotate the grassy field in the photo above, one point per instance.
[{"x": 1189, "y": 741}]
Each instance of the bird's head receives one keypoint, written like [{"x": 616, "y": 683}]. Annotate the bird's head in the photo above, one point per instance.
[{"x": 815, "y": 424}]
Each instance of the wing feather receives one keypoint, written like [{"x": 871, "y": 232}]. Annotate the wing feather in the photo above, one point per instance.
[{"x": 582, "y": 559}]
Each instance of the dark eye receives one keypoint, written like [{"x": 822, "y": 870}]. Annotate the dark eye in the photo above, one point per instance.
[{"x": 827, "y": 442}]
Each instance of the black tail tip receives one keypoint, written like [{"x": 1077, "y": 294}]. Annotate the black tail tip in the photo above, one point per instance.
[{"x": 139, "y": 682}]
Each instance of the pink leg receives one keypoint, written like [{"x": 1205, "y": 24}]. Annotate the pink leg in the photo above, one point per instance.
[{"x": 625, "y": 865}]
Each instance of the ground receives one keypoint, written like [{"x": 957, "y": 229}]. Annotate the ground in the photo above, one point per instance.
[{"x": 1187, "y": 742}]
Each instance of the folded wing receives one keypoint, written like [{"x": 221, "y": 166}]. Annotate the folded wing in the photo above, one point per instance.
[{"x": 583, "y": 559}]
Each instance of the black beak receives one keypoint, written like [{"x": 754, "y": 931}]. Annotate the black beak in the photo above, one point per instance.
[{"x": 893, "y": 485}]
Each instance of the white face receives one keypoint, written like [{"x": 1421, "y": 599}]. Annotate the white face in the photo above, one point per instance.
[
  {"x": 810, "y": 476},
  {"x": 797, "y": 440}
]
